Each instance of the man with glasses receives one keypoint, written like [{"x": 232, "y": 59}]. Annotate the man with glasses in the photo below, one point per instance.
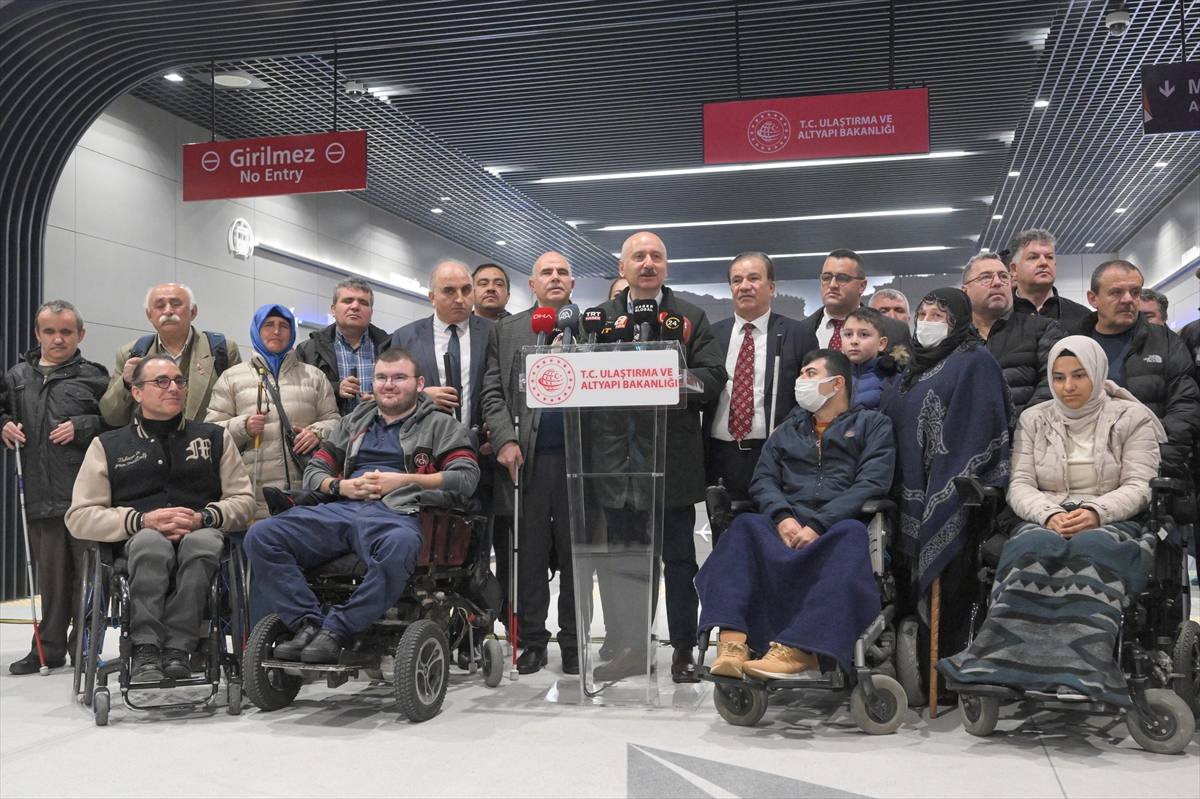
[
  {"x": 169, "y": 487},
  {"x": 371, "y": 471},
  {"x": 1031, "y": 261},
  {"x": 1151, "y": 361},
  {"x": 1020, "y": 342},
  {"x": 843, "y": 282}
]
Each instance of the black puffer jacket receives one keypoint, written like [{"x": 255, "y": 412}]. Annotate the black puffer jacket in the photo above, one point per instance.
[
  {"x": 41, "y": 403},
  {"x": 318, "y": 351},
  {"x": 1021, "y": 344},
  {"x": 1066, "y": 312},
  {"x": 1158, "y": 371}
]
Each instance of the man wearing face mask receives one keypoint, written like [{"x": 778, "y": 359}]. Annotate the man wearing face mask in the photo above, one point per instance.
[{"x": 804, "y": 557}]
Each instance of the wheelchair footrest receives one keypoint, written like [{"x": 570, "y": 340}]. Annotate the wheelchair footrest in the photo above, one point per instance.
[
  {"x": 979, "y": 689},
  {"x": 334, "y": 668}
]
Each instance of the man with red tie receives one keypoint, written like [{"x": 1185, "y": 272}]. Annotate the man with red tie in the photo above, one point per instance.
[{"x": 843, "y": 281}]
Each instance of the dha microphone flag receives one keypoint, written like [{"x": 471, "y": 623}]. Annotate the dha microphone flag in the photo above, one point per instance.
[
  {"x": 568, "y": 322},
  {"x": 543, "y": 324},
  {"x": 593, "y": 323}
]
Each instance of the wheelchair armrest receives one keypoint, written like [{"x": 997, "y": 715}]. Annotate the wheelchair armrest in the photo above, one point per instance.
[
  {"x": 974, "y": 493},
  {"x": 874, "y": 506},
  {"x": 449, "y": 503},
  {"x": 1171, "y": 484},
  {"x": 742, "y": 506}
]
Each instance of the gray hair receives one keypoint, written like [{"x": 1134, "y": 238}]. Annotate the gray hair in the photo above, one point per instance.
[
  {"x": 983, "y": 255},
  {"x": 353, "y": 283},
  {"x": 892, "y": 294},
  {"x": 62, "y": 306},
  {"x": 1025, "y": 238},
  {"x": 1118, "y": 263},
  {"x": 1160, "y": 298},
  {"x": 186, "y": 290}
]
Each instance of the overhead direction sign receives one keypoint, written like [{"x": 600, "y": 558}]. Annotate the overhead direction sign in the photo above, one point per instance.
[
  {"x": 302, "y": 164},
  {"x": 822, "y": 126},
  {"x": 1171, "y": 98}
]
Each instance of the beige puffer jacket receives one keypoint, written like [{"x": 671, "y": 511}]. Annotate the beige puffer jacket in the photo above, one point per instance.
[
  {"x": 307, "y": 399},
  {"x": 1127, "y": 457}
]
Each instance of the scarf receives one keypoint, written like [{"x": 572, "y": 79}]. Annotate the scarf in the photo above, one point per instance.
[
  {"x": 958, "y": 305},
  {"x": 1095, "y": 363},
  {"x": 273, "y": 360}
]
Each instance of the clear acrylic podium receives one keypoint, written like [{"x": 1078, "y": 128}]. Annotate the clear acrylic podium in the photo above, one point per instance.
[{"x": 615, "y": 448}]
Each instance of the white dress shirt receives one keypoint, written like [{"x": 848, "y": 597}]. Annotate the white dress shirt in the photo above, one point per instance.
[
  {"x": 758, "y": 427},
  {"x": 441, "y": 343},
  {"x": 825, "y": 331}
]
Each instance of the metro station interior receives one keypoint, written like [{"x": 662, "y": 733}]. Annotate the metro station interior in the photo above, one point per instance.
[{"x": 498, "y": 131}]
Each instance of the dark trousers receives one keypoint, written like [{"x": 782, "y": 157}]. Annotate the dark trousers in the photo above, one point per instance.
[
  {"x": 165, "y": 615},
  {"x": 56, "y": 554},
  {"x": 282, "y": 547},
  {"x": 545, "y": 539},
  {"x": 502, "y": 542},
  {"x": 679, "y": 573},
  {"x": 731, "y": 464}
]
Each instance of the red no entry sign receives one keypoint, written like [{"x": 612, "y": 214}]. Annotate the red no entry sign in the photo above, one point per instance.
[{"x": 277, "y": 165}]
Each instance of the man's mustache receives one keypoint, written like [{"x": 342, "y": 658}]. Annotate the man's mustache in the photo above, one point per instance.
[{"x": 168, "y": 318}]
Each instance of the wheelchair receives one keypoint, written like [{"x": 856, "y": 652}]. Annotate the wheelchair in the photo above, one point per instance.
[
  {"x": 877, "y": 700},
  {"x": 104, "y": 603},
  {"x": 411, "y": 645},
  {"x": 1157, "y": 648}
]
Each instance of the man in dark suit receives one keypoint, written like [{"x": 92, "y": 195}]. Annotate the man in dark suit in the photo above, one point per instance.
[
  {"x": 843, "y": 281},
  {"x": 749, "y": 340},
  {"x": 453, "y": 330},
  {"x": 540, "y": 455}
]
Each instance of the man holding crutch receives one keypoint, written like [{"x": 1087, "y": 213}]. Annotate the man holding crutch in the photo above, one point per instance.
[{"x": 50, "y": 412}]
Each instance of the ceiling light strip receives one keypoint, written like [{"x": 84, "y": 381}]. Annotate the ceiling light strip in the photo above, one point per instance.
[
  {"x": 767, "y": 220},
  {"x": 821, "y": 254}
]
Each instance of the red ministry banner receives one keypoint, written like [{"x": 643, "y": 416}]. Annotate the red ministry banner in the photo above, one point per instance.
[
  {"x": 302, "y": 164},
  {"x": 822, "y": 126}
]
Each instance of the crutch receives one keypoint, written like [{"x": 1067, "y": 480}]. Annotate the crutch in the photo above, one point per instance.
[
  {"x": 775, "y": 383},
  {"x": 512, "y": 564},
  {"x": 935, "y": 613},
  {"x": 37, "y": 634}
]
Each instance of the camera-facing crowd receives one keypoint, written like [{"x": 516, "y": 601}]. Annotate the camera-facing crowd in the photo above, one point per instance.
[{"x": 1071, "y": 409}]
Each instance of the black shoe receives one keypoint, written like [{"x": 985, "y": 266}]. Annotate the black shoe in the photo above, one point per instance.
[
  {"x": 290, "y": 650},
  {"x": 466, "y": 656},
  {"x": 608, "y": 649},
  {"x": 147, "y": 664},
  {"x": 532, "y": 660},
  {"x": 570, "y": 660},
  {"x": 627, "y": 663},
  {"x": 683, "y": 666},
  {"x": 326, "y": 647},
  {"x": 177, "y": 664},
  {"x": 31, "y": 664}
]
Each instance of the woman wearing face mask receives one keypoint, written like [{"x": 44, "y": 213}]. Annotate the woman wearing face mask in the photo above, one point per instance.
[
  {"x": 1081, "y": 467},
  {"x": 795, "y": 579},
  {"x": 952, "y": 418}
]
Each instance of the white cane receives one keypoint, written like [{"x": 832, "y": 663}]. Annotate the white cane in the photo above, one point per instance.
[
  {"x": 512, "y": 565},
  {"x": 37, "y": 635},
  {"x": 775, "y": 383}
]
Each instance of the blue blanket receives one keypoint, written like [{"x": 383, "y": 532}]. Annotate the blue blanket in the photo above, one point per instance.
[
  {"x": 953, "y": 422},
  {"x": 818, "y": 599},
  {"x": 1056, "y": 611}
]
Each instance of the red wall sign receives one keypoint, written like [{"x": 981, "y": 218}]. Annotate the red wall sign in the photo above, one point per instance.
[
  {"x": 824, "y": 126},
  {"x": 277, "y": 165}
]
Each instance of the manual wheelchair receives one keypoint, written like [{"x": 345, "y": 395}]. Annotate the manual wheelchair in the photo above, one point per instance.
[
  {"x": 450, "y": 599},
  {"x": 104, "y": 603},
  {"x": 1157, "y": 648},
  {"x": 877, "y": 700}
]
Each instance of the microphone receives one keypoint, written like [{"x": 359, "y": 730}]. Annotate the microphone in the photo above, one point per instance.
[
  {"x": 568, "y": 322},
  {"x": 622, "y": 329},
  {"x": 606, "y": 335},
  {"x": 675, "y": 328},
  {"x": 543, "y": 324},
  {"x": 593, "y": 323},
  {"x": 645, "y": 316}
]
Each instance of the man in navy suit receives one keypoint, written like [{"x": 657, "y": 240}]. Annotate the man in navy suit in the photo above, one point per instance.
[
  {"x": 739, "y": 426},
  {"x": 843, "y": 281},
  {"x": 454, "y": 330}
]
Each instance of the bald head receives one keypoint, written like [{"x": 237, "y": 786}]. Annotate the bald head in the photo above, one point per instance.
[
  {"x": 452, "y": 292},
  {"x": 644, "y": 264},
  {"x": 552, "y": 283}
]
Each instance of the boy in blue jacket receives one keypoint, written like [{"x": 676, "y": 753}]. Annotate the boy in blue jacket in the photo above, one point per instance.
[{"x": 875, "y": 368}]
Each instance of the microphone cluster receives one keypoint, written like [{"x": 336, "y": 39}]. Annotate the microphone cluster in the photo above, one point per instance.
[{"x": 645, "y": 323}]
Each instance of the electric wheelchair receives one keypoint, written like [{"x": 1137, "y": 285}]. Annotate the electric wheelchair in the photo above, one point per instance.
[
  {"x": 104, "y": 603},
  {"x": 451, "y": 598},
  {"x": 1157, "y": 648},
  {"x": 877, "y": 700}
]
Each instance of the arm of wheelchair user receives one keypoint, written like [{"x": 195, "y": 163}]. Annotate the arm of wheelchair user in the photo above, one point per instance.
[{"x": 974, "y": 493}]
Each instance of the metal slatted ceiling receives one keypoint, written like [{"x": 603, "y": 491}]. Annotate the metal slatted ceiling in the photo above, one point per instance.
[{"x": 1084, "y": 156}]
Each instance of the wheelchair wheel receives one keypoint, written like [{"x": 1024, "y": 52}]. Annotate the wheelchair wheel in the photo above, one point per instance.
[
  {"x": 1187, "y": 665},
  {"x": 268, "y": 689},
  {"x": 101, "y": 703},
  {"x": 1176, "y": 724},
  {"x": 980, "y": 714},
  {"x": 883, "y": 720},
  {"x": 742, "y": 707},
  {"x": 422, "y": 670},
  {"x": 908, "y": 662},
  {"x": 493, "y": 663}
]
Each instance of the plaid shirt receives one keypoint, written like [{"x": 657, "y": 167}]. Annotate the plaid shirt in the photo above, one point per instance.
[{"x": 359, "y": 361}]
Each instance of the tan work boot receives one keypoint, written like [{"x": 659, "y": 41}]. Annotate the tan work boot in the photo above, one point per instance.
[
  {"x": 782, "y": 663},
  {"x": 731, "y": 655}
]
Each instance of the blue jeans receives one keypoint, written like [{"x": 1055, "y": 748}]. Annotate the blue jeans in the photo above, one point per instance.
[{"x": 283, "y": 547}]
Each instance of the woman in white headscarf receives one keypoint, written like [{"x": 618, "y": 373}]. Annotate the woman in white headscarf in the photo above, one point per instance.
[{"x": 1081, "y": 469}]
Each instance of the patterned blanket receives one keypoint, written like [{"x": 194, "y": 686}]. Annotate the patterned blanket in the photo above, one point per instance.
[{"x": 1056, "y": 611}]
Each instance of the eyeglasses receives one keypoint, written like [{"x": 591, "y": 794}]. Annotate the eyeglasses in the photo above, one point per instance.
[
  {"x": 163, "y": 382},
  {"x": 383, "y": 380},
  {"x": 843, "y": 279},
  {"x": 987, "y": 277}
]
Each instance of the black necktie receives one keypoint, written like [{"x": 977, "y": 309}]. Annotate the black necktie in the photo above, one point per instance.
[{"x": 454, "y": 378}]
